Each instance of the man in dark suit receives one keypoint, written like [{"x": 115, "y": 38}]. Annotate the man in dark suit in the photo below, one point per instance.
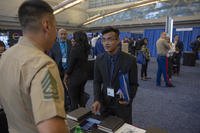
[
  {"x": 195, "y": 45},
  {"x": 60, "y": 54},
  {"x": 108, "y": 67},
  {"x": 179, "y": 49},
  {"x": 60, "y": 51}
]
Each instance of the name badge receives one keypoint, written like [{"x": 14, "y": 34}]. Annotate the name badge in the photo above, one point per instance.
[
  {"x": 64, "y": 60},
  {"x": 110, "y": 92}
]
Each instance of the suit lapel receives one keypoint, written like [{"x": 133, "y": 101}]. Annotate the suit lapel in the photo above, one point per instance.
[
  {"x": 107, "y": 73},
  {"x": 58, "y": 49},
  {"x": 68, "y": 45},
  {"x": 117, "y": 67}
]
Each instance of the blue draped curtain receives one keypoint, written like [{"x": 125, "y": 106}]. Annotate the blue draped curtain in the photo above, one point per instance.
[
  {"x": 124, "y": 34},
  {"x": 136, "y": 36},
  {"x": 186, "y": 36},
  {"x": 152, "y": 35},
  {"x": 130, "y": 35},
  {"x": 195, "y": 32}
]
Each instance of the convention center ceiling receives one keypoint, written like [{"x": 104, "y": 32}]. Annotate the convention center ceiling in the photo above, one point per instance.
[{"x": 96, "y": 13}]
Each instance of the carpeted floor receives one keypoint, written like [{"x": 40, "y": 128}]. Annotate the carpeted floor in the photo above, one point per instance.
[{"x": 175, "y": 110}]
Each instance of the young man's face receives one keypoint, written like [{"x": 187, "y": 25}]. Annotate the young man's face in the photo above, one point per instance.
[{"x": 110, "y": 42}]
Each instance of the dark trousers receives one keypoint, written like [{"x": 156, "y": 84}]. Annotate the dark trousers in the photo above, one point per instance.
[
  {"x": 178, "y": 62},
  {"x": 67, "y": 101},
  {"x": 76, "y": 93},
  {"x": 170, "y": 66},
  {"x": 144, "y": 69},
  {"x": 122, "y": 111},
  {"x": 162, "y": 69}
]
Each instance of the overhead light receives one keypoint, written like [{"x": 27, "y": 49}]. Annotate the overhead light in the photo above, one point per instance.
[
  {"x": 58, "y": 10},
  {"x": 65, "y": 5},
  {"x": 97, "y": 15},
  {"x": 134, "y": 5},
  {"x": 93, "y": 20},
  {"x": 100, "y": 17},
  {"x": 112, "y": 13},
  {"x": 145, "y": 4}
]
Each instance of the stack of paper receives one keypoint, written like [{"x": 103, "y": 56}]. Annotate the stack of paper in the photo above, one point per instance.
[{"x": 127, "y": 128}]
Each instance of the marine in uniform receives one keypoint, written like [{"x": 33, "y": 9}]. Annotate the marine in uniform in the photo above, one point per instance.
[
  {"x": 31, "y": 90},
  {"x": 162, "y": 47}
]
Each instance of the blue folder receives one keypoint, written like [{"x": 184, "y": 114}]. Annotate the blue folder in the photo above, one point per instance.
[{"x": 124, "y": 86}]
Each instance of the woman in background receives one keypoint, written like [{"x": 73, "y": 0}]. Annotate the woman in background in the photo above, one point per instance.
[
  {"x": 2, "y": 47},
  {"x": 77, "y": 74},
  {"x": 170, "y": 58},
  {"x": 146, "y": 53}
]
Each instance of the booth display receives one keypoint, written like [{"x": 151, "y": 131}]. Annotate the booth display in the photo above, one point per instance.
[{"x": 90, "y": 123}]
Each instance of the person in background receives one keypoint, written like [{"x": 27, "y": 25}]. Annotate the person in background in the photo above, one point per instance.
[
  {"x": 124, "y": 45},
  {"x": 98, "y": 49},
  {"x": 73, "y": 42},
  {"x": 146, "y": 52},
  {"x": 94, "y": 39},
  {"x": 60, "y": 51},
  {"x": 162, "y": 60},
  {"x": 93, "y": 43},
  {"x": 2, "y": 47},
  {"x": 132, "y": 47},
  {"x": 179, "y": 49},
  {"x": 138, "y": 45},
  {"x": 77, "y": 73},
  {"x": 60, "y": 54},
  {"x": 195, "y": 45},
  {"x": 170, "y": 58},
  {"x": 107, "y": 69},
  {"x": 31, "y": 89}
]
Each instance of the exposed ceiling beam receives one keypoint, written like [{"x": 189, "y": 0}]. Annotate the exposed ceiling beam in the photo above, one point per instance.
[
  {"x": 65, "y": 5},
  {"x": 125, "y": 8}
]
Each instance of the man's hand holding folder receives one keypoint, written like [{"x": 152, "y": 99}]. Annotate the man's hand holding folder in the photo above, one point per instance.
[{"x": 123, "y": 90}]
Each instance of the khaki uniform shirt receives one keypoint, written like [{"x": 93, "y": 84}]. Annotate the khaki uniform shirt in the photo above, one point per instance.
[
  {"x": 30, "y": 87},
  {"x": 162, "y": 47}
]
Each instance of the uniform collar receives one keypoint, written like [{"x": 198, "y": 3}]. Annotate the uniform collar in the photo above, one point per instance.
[{"x": 28, "y": 42}]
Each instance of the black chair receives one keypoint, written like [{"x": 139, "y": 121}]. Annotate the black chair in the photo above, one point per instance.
[{"x": 189, "y": 58}]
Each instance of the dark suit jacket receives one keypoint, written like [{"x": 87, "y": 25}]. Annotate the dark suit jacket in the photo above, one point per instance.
[
  {"x": 56, "y": 55},
  {"x": 180, "y": 47},
  {"x": 78, "y": 64},
  {"x": 126, "y": 64}
]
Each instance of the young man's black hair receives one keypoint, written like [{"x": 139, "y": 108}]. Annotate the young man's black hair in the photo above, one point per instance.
[{"x": 110, "y": 29}]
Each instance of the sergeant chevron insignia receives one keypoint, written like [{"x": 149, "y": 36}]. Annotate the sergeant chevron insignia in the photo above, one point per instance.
[{"x": 49, "y": 87}]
